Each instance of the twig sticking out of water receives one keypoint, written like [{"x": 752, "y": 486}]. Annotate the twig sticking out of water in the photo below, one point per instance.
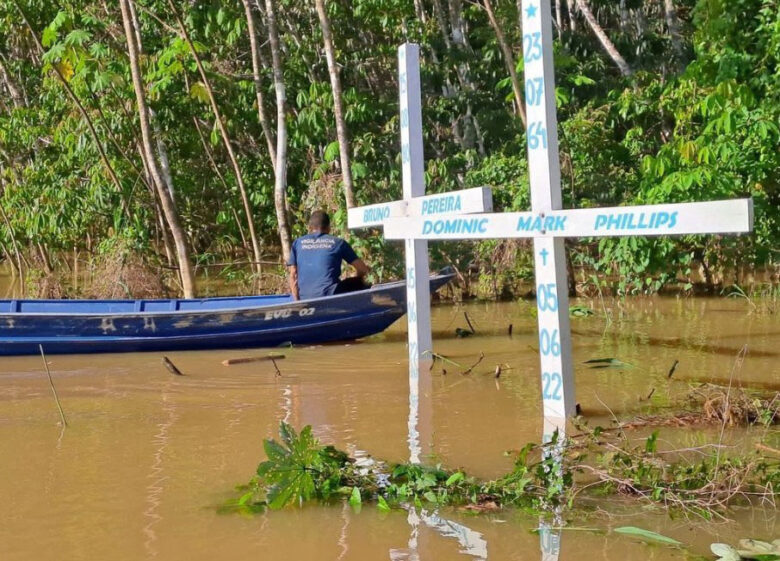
[
  {"x": 437, "y": 356},
  {"x": 53, "y": 389},
  {"x": 171, "y": 367},
  {"x": 510, "y": 329},
  {"x": 473, "y": 366},
  {"x": 468, "y": 321},
  {"x": 673, "y": 368},
  {"x": 278, "y": 372}
]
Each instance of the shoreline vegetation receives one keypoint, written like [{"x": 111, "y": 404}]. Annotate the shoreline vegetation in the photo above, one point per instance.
[
  {"x": 594, "y": 463},
  {"x": 142, "y": 140}
]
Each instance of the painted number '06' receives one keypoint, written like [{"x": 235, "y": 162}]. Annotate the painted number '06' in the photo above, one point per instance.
[
  {"x": 549, "y": 343},
  {"x": 551, "y": 386},
  {"x": 547, "y": 298}
]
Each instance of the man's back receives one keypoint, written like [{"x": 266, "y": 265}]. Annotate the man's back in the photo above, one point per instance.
[{"x": 318, "y": 258}]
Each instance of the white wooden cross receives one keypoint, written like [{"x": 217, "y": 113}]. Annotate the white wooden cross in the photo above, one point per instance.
[
  {"x": 547, "y": 224},
  {"x": 415, "y": 203}
]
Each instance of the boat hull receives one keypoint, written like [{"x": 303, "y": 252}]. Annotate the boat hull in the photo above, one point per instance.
[{"x": 163, "y": 325}]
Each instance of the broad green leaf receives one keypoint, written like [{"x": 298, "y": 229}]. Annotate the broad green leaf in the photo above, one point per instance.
[
  {"x": 355, "y": 498},
  {"x": 332, "y": 151},
  {"x": 382, "y": 505},
  {"x": 646, "y": 534}
]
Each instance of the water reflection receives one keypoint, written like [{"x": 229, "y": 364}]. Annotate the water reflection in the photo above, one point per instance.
[
  {"x": 420, "y": 440},
  {"x": 472, "y": 543}
]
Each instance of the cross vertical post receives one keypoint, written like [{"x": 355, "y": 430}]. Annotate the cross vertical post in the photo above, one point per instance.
[
  {"x": 417, "y": 270},
  {"x": 549, "y": 252}
]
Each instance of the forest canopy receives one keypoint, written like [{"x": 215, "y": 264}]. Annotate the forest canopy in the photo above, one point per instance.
[{"x": 201, "y": 133}]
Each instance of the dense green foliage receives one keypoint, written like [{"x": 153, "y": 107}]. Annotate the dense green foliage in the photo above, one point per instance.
[{"x": 697, "y": 120}]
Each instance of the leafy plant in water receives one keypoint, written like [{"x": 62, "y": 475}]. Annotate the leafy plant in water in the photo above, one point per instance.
[{"x": 298, "y": 468}]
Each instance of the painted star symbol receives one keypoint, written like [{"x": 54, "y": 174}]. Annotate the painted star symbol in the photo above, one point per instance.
[{"x": 531, "y": 11}]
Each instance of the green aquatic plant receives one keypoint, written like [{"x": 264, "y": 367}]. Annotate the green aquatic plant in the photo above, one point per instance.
[{"x": 701, "y": 482}]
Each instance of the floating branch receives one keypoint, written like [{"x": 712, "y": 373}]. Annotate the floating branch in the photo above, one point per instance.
[{"x": 248, "y": 359}]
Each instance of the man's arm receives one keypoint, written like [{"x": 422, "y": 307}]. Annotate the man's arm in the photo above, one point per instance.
[
  {"x": 361, "y": 267},
  {"x": 293, "y": 280}
]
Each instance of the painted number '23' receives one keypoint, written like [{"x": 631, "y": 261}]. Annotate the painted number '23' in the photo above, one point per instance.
[{"x": 532, "y": 46}]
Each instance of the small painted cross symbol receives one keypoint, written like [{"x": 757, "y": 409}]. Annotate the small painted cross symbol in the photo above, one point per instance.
[
  {"x": 531, "y": 11},
  {"x": 544, "y": 253}
]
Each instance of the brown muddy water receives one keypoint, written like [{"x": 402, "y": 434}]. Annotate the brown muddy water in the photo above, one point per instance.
[{"x": 148, "y": 457}]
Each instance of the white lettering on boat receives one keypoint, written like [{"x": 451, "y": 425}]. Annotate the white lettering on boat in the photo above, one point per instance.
[{"x": 288, "y": 312}]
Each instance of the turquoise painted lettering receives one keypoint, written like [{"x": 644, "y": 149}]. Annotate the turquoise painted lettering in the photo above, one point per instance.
[
  {"x": 673, "y": 220},
  {"x": 524, "y": 224},
  {"x": 427, "y": 227},
  {"x": 483, "y": 225},
  {"x": 601, "y": 221}
]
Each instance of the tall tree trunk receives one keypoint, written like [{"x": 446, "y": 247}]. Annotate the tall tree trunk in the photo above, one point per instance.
[
  {"x": 673, "y": 26},
  {"x": 509, "y": 60},
  {"x": 559, "y": 17},
  {"x": 171, "y": 215},
  {"x": 256, "y": 74},
  {"x": 338, "y": 104},
  {"x": 612, "y": 51},
  {"x": 572, "y": 6},
  {"x": 419, "y": 10},
  {"x": 162, "y": 150},
  {"x": 225, "y": 137},
  {"x": 280, "y": 187}
]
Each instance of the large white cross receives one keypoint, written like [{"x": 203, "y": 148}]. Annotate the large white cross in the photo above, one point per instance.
[
  {"x": 415, "y": 203},
  {"x": 547, "y": 224}
]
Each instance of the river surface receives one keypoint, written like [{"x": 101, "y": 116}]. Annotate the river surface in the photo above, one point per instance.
[{"x": 148, "y": 458}]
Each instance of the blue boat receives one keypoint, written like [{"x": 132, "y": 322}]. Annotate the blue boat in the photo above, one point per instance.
[{"x": 100, "y": 326}]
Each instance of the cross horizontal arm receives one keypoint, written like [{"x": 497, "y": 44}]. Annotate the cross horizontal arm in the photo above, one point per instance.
[
  {"x": 467, "y": 201},
  {"x": 716, "y": 217}
]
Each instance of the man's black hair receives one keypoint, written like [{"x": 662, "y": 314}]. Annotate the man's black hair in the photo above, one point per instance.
[{"x": 319, "y": 220}]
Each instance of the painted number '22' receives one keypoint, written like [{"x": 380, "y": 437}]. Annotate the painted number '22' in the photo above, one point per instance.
[{"x": 551, "y": 386}]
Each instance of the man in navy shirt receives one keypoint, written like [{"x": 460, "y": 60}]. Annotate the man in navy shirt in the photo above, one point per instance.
[{"x": 315, "y": 262}]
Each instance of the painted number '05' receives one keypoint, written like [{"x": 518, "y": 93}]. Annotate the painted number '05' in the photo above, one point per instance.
[
  {"x": 547, "y": 298},
  {"x": 552, "y": 383},
  {"x": 532, "y": 46}
]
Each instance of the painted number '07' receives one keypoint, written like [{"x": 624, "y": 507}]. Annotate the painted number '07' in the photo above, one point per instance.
[
  {"x": 534, "y": 91},
  {"x": 547, "y": 297},
  {"x": 552, "y": 383}
]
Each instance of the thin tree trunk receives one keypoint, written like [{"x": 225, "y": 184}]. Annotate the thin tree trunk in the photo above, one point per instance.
[
  {"x": 612, "y": 51},
  {"x": 509, "y": 60},
  {"x": 419, "y": 10},
  {"x": 171, "y": 216},
  {"x": 14, "y": 243},
  {"x": 519, "y": 17},
  {"x": 223, "y": 131},
  {"x": 338, "y": 104},
  {"x": 673, "y": 26},
  {"x": 559, "y": 17},
  {"x": 13, "y": 89},
  {"x": 256, "y": 68},
  {"x": 572, "y": 5},
  {"x": 82, "y": 110},
  {"x": 280, "y": 186}
]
